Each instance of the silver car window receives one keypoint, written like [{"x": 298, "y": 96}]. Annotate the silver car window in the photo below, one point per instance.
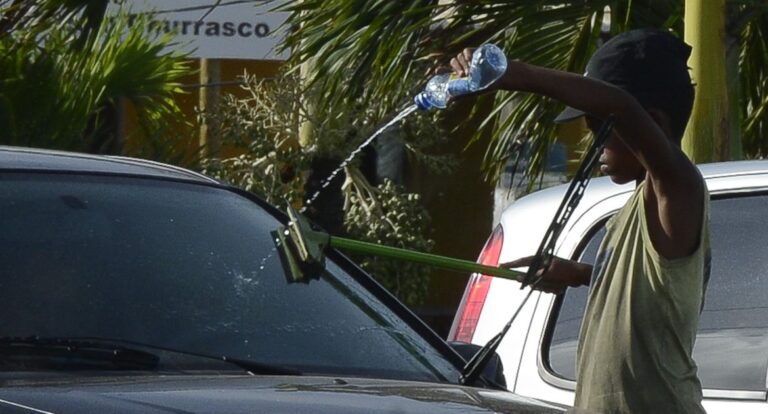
[{"x": 732, "y": 343}]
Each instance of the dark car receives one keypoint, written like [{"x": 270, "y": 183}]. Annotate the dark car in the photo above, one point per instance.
[{"x": 131, "y": 286}]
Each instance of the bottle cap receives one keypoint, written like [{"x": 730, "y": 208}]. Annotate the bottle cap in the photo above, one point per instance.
[{"x": 421, "y": 101}]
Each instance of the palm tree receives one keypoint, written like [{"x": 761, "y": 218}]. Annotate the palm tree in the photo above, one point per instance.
[
  {"x": 379, "y": 50},
  {"x": 64, "y": 67}
]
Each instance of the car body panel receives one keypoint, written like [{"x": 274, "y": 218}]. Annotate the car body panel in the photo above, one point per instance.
[
  {"x": 248, "y": 394},
  {"x": 33, "y": 159},
  {"x": 524, "y": 224}
]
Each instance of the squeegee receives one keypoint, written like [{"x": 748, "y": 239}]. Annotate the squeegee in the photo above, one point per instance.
[{"x": 302, "y": 250}]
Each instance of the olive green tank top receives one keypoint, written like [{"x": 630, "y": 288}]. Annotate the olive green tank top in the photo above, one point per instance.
[{"x": 637, "y": 337}]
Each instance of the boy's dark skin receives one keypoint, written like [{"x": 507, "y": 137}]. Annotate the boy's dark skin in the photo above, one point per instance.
[{"x": 641, "y": 147}]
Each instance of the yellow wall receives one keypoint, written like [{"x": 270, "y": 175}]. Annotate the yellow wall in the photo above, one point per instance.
[{"x": 230, "y": 71}]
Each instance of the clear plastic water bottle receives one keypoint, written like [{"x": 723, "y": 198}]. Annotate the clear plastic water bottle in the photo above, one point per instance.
[{"x": 488, "y": 64}]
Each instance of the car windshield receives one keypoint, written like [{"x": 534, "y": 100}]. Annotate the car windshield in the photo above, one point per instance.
[{"x": 189, "y": 267}]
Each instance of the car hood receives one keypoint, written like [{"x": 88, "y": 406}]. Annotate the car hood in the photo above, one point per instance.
[{"x": 249, "y": 394}]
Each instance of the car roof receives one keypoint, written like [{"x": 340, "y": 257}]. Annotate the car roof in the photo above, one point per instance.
[
  {"x": 720, "y": 169},
  {"x": 601, "y": 188},
  {"x": 34, "y": 159}
]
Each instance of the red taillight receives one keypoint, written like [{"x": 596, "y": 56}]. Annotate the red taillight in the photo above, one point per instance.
[{"x": 471, "y": 305}]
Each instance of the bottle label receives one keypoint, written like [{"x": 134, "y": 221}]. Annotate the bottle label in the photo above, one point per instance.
[{"x": 458, "y": 86}]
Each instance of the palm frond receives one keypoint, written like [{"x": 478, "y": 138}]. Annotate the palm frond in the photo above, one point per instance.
[
  {"x": 552, "y": 35},
  {"x": 374, "y": 50},
  {"x": 55, "y": 91},
  {"x": 363, "y": 49},
  {"x": 753, "y": 65}
]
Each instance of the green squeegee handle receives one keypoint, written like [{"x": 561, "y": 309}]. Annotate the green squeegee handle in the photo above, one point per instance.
[{"x": 442, "y": 262}]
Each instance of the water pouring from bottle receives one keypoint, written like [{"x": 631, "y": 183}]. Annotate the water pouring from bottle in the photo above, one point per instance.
[
  {"x": 488, "y": 65},
  {"x": 404, "y": 113}
]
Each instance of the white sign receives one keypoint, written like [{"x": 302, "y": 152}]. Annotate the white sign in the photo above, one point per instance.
[{"x": 233, "y": 29}]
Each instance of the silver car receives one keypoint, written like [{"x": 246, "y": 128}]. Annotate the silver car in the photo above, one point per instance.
[{"x": 538, "y": 353}]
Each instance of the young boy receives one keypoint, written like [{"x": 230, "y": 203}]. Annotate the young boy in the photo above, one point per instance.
[{"x": 648, "y": 283}]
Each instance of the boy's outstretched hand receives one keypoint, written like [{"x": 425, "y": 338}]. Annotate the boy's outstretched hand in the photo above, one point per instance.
[{"x": 560, "y": 274}]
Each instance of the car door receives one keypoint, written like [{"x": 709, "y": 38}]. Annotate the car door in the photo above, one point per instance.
[{"x": 732, "y": 343}]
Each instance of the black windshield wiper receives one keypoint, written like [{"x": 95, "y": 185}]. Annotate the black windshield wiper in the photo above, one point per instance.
[
  {"x": 59, "y": 353},
  {"x": 471, "y": 371},
  {"x": 120, "y": 353}
]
